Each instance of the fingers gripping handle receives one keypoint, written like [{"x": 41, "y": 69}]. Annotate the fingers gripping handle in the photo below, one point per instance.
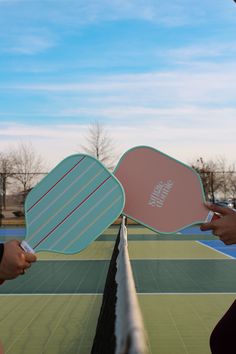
[{"x": 24, "y": 245}]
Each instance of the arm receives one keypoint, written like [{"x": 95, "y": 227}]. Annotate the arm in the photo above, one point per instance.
[
  {"x": 225, "y": 226},
  {"x": 14, "y": 260}
]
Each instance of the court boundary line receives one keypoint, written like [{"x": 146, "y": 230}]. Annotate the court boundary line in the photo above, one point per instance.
[
  {"x": 182, "y": 294},
  {"x": 140, "y": 259},
  {"x": 214, "y": 249},
  {"x": 101, "y": 294},
  {"x": 63, "y": 294}
]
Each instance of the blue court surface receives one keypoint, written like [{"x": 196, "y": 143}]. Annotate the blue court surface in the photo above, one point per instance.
[
  {"x": 217, "y": 245},
  {"x": 229, "y": 250},
  {"x": 17, "y": 232},
  {"x": 194, "y": 230}
]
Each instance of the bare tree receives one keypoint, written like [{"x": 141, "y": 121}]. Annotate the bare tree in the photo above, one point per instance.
[
  {"x": 28, "y": 166},
  {"x": 231, "y": 180},
  {"x": 6, "y": 171},
  {"x": 100, "y": 145},
  {"x": 216, "y": 177}
]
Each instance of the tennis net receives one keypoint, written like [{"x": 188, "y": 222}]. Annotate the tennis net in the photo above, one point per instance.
[{"x": 120, "y": 328}]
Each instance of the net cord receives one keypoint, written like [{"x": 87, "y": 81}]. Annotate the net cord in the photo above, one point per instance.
[{"x": 129, "y": 328}]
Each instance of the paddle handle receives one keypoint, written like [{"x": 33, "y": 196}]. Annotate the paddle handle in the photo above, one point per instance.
[
  {"x": 211, "y": 216},
  {"x": 26, "y": 247}
]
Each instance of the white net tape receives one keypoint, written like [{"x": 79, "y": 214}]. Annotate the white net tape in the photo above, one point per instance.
[{"x": 129, "y": 328}]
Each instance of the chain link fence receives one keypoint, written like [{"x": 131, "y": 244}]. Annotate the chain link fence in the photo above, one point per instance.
[
  {"x": 15, "y": 187},
  {"x": 13, "y": 191}
]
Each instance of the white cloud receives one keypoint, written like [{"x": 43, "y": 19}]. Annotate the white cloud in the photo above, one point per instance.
[
  {"x": 184, "y": 139},
  {"x": 53, "y": 142},
  {"x": 184, "y": 113},
  {"x": 30, "y": 44},
  {"x": 205, "y": 84},
  {"x": 197, "y": 53},
  {"x": 77, "y": 13}
]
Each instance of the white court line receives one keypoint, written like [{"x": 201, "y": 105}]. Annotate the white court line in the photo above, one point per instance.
[
  {"x": 181, "y": 294},
  {"x": 43, "y": 294},
  {"x": 74, "y": 260},
  {"x": 135, "y": 259},
  {"x": 214, "y": 249},
  {"x": 101, "y": 294}
]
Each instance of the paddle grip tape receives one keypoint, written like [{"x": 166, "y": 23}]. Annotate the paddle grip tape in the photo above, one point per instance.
[{"x": 26, "y": 247}]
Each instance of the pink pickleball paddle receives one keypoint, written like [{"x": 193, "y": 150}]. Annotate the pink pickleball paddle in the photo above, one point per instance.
[{"x": 161, "y": 193}]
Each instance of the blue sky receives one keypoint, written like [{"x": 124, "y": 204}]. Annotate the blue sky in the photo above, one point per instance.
[{"x": 154, "y": 72}]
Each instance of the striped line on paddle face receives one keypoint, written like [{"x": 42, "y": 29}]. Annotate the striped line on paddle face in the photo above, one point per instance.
[
  {"x": 106, "y": 195},
  {"x": 34, "y": 234},
  {"x": 70, "y": 213},
  {"x": 49, "y": 205},
  {"x": 115, "y": 201},
  {"x": 58, "y": 181}
]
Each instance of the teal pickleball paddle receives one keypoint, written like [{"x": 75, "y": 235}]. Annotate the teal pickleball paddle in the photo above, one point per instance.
[{"x": 71, "y": 206}]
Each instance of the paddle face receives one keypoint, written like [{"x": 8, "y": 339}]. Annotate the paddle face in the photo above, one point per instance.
[
  {"x": 72, "y": 205},
  {"x": 160, "y": 192}
]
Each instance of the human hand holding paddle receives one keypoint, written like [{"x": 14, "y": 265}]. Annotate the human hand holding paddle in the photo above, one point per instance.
[
  {"x": 225, "y": 226},
  {"x": 14, "y": 260},
  {"x": 65, "y": 212}
]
